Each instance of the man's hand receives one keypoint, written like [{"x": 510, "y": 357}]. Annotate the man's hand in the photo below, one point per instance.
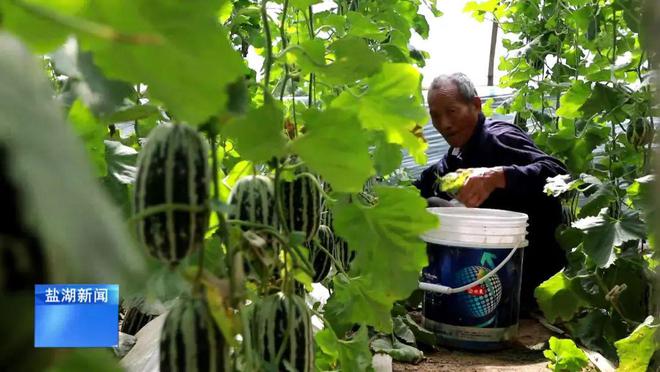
[{"x": 478, "y": 187}]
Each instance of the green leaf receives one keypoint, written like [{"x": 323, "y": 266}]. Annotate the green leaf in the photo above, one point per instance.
[
  {"x": 389, "y": 253},
  {"x": 132, "y": 113},
  {"x": 598, "y": 330},
  {"x": 84, "y": 237},
  {"x": 636, "y": 350},
  {"x": 240, "y": 169},
  {"x": 633, "y": 273},
  {"x": 40, "y": 33},
  {"x": 603, "y": 233},
  {"x": 304, "y": 4},
  {"x": 392, "y": 104},
  {"x": 92, "y": 133},
  {"x": 259, "y": 135},
  {"x": 387, "y": 156},
  {"x": 571, "y": 101},
  {"x": 194, "y": 56},
  {"x": 421, "y": 26},
  {"x": 102, "y": 95},
  {"x": 121, "y": 161},
  {"x": 331, "y": 137},
  {"x": 362, "y": 26},
  {"x": 397, "y": 350},
  {"x": 578, "y": 151},
  {"x": 422, "y": 335},
  {"x": 598, "y": 200},
  {"x": 353, "y": 60},
  {"x": 603, "y": 98},
  {"x": 558, "y": 298},
  {"x": 345, "y": 355},
  {"x": 402, "y": 331},
  {"x": 565, "y": 356},
  {"x": 308, "y": 55},
  {"x": 354, "y": 302}
]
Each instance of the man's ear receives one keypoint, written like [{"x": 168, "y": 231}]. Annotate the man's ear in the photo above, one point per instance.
[{"x": 476, "y": 102}]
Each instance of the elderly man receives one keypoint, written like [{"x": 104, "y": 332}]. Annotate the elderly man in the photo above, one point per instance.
[{"x": 515, "y": 173}]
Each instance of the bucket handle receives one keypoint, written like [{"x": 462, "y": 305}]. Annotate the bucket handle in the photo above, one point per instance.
[{"x": 438, "y": 288}]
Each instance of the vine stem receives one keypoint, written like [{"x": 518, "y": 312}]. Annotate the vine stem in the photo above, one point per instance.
[
  {"x": 338, "y": 264},
  {"x": 169, "y": 207},
  {"x": 270, "y": 230},
  {"x": 284, "y": 46},
  {"x": 269, "y": 50}
]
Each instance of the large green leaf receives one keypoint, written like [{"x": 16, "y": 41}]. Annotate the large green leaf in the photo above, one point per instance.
[
  {"x": 87, "y": 82},
  {"x": 558, "y": 298},
  {"x": 636, "y": 350},
  {"x": 565, "y": 356},
  {"x": 84, "y": 238},
  {"x": 361, "y": 26},
  {"x": 603, "y": 233},
  {"x": 345, "y": 355},
  {"x": 600, "y": 199},
  {"x": 598, "y": 330},
  {"x": 387, "y": 156},
  {"x": 603, "y": 98},
  {"x": 571, "y": 101},
  {"x": 577, "y": 151},
  {"x": 392, "y": 104},
  {"x": 194, "y": 56},
  {"x": 259, "y": 135},
  {"x": 353, "y": 60},
  {"x": 40, "y": 33},
  {"x": 308, "y": 55},
  {"x": 92, "y": 133},
  {"x": 335, "y": 146},
  {"x": 397, "y": 350},
  {"x": 389, "y": 253},
  {"x": 354, "y": 302},
  {"x": 121, "y": 161}
]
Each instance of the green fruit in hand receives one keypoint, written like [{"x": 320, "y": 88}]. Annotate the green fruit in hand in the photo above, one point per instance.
[{"x": 453, "y": 181}]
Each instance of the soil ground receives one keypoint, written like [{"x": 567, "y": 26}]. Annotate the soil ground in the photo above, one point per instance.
[{"x": 526, "y": 354}]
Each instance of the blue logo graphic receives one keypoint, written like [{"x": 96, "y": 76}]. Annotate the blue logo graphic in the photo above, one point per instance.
[
  {"x": 76, "y": 315},
  {"x": 482, "y": 299}
]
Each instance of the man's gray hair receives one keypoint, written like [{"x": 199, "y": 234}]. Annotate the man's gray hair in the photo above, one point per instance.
[{"x": 463, "y": 83}]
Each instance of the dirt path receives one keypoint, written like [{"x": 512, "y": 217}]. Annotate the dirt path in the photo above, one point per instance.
[{"x": 526, "y": 355}]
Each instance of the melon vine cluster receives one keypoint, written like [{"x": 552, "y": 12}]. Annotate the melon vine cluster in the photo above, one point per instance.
[{"x": 171, "y": 207}]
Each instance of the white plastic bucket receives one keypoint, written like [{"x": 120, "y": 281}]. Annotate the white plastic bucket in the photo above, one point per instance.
[{"x": 471, "y": 267}]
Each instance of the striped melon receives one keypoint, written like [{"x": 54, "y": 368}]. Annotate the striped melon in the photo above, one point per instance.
[
  {"x": 172, "y": 170},
  {"x": 281, "y": 326},
  {"x": 253, "y": 200},
  {"x": 343, "y": 253},
  {"x": 640, "y": 132},
  {"x": 191, "y": 341},
  {"x": 301, "y": 204},
  {"x": 321, "y": 261},
  {"x": 136, "y": 316}
]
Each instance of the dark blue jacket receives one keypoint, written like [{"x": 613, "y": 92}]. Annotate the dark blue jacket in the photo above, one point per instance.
[{"x": 526, "y": 168}]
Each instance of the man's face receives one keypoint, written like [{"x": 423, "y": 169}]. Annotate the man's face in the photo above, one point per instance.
[{"x": 454, "y": 118}]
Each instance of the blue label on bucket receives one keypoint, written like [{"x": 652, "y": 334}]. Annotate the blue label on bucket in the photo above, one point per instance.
[{"x": 492, "y": 304}]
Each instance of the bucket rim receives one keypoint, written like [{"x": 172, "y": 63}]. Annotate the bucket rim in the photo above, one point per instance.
[
  {"x": 478, "y": 213},
  {"x": 459, "y": 244}
]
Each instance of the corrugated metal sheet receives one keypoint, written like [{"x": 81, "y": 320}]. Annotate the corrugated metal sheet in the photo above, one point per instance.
[{"x": 438, "y": 146}]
